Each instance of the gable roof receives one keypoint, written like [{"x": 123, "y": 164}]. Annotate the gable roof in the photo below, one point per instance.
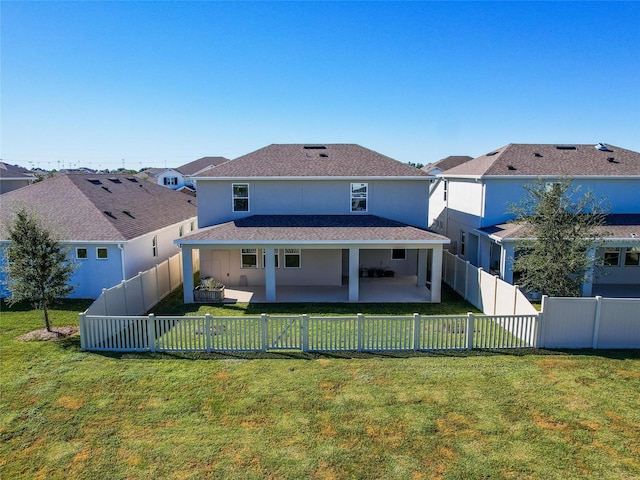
[
  {"x": 101, "y": 207},
  {"x": 200, "y": 165},
  {"x": 446, "y": 163},
  {"x": 14, "y": 172},
  {"x": 307, "y": 160},
  {"x": 616, "y": 226},
  {"x": 544, "y": 160},
  {"x": 301, "y": 229}
]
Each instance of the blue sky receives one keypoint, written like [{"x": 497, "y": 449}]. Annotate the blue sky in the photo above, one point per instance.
[{"x": 164, "y": 83}]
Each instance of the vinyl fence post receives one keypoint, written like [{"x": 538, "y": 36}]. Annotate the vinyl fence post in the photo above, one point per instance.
[
  {"x": 83, "y": 341},
  {"x": 360, "y": 332},
  {"x": 596, "y": 323},
  {"x": 470, "y": 328},
  {"x": 207, "y": 327},
  {"x": 265, "y": 333},
  {"x": 123, "y": 284},
  {"x": 416, "y": 331},
  {"x": 106, "y": 303},
  {"x": 305, "y": 333},
  {"x": 542, "y": 321},
  {"x": 151, "y": 331}
]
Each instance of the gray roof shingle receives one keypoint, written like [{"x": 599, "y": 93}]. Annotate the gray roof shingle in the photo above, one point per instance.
[
  {"x": 77, "y": 204},
  {"x": 300, "y": 160},
  {"x": 199, "y": 165},
  {"x": 14, "y": 171},
  {"x": 313, "y": 228},
  {"x": 542, "y": 160}
]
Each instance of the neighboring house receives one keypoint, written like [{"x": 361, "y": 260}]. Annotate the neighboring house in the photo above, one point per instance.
[
  {"x": 13, "y": 177},
  {"x": 313, "y": 215},
  {"x": 445, "y": 164},
  {"x": 115, "y": 225},
  {"x": 179, "y": 178},
  {"x": 469, "y": 204}
]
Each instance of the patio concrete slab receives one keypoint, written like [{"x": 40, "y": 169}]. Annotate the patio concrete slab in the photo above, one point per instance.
[{"x": 401, "y": 289}]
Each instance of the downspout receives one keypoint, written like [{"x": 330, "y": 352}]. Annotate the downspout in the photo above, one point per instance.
[{"x": 122, "y": 264}]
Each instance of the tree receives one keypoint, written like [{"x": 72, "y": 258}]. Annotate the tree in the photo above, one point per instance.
[
  {"x": 36, "y": 266},
  {"x": 565, "y": 226},
  {"x": 415, "y": 165}
]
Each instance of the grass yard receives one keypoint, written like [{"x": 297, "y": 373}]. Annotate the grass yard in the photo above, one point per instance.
[{"x": 526, "y": 415}]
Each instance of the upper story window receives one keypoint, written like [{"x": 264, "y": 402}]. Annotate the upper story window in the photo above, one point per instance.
[
  {"x": 632, "y": 257},
  {"x": 445, "y": 185},
  {"x": 611, "y": 257},
  {"x": 359, "y": 194},
  {"x": 240, "y": 197},
  {"x": 171, "y": 180},
  {"x": 82, "y": 253},
  {"x": 180, "y": 231},
  {"x": 102, "y": 253},
  {"x": 154, "y": 245},
  {"x": 463, "y": 241}
]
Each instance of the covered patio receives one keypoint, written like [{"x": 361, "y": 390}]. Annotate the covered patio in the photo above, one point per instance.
[{"x": 351, "y": 237}]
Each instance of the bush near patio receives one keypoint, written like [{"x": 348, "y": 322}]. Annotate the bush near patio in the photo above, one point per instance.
[{"x": 65, "y": 413}]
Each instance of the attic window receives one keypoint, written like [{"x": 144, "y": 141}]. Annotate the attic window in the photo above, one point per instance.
[
  {"x": 128, "y": 213},
  {"x": 115, "y": 180},
  {"x": 95, "y": 181},
  {"x": 566, "y": 147},
  {"x": 492, "y": 154},
  {"x": 109, "y": 214},
  {"x": 314, "y": 147}
]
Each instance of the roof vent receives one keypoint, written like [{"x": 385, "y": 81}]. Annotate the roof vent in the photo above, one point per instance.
[
  {"x": 612, "y": 160},
  {"x": 115, "y": 180},
  {"x": 492, "y": 154},
  {"x": 95, "y": 181},
  {"x": 602, "y": 147},
  {"x": 566, "y": 147},
  {"x": 511, "y": 167},
  {"x": 106, "y": 188},
  {"x": 132, "y": 179},
  {"x": 314, "y": 147},
  {"x": 538, "y": 155},
  {"x": 109, "y": 214},
  {"x": 324, "y": 155},
  {"x": 128, "y": 213}
]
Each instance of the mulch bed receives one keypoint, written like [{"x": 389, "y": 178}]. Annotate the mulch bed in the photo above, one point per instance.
[{"x": 43, "y": 335}]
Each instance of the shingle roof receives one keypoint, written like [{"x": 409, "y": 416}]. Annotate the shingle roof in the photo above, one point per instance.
[
  {"x": 447, "y": 163},
  {"x": 551, "y": 160},
  {"x": 77, "y": 205},
  {"x": 14, "y": 171},
  {"x": 617, "y": 225},
  {"x": 300, "y": 160},
  {"x": 201, "y": 164},
  {"x": 313, "y": 228}
]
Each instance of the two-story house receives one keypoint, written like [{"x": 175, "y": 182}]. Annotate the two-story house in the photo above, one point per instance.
[
  {"x": 181, "y": 177},
  {"x": 469, "y": 204},
  {"x": 314, "y": 215},
  {"x": 115, "y": 226},
  {"x": 13, "y": 177}
]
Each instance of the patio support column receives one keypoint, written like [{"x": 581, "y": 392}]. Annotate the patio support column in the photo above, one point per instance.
[
  {"x": 270, "y": 273},
  {"x": 436, "y": 274},
  {"x": 422, "y": 267},
  {"x": 187, "y": 273},
  {"x": 354, "y": 276}
]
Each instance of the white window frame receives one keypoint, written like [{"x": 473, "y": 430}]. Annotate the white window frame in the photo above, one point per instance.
[
  {"x": 404, "y": 250},
  {"x": 633, "y": 251},
  {"x": 170, "y": 181},
  {"x": 611, "y": 251},
  {"x": 86, "y": 253},
  {"x": 264, "y": 258},
  {"x": 359, "y": 196},
  {"x": 445, "y": 184},
  {"x": 106, "y": 252},
  {"x": 292, "y": 252},
  {"x": 248, "y": 252},
  {"x": 154, "y": 246},
  {"x": 234, "y": 197}
]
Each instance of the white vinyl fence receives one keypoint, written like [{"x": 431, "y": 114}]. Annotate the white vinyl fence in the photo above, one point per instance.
[
  {"x": 590, "y": 323},
  {"x": 139, "y": 294},
  {"x": 305, "y": 333},
  {"x": 484, "y": 291}
]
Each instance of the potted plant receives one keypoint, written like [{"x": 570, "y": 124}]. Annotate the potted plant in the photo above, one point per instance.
[{"x": 209, "y": 290}]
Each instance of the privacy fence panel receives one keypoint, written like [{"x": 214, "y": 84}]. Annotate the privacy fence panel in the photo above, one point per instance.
[
  {"x": 568, "y": 322},
  {"x": 619, "y": 323}
]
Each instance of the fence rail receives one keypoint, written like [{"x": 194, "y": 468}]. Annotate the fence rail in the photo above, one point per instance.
[{"x": 305, "y": 333}]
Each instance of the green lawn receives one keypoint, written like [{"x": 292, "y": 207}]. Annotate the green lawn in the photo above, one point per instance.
[{"x": 539, "y": 415}]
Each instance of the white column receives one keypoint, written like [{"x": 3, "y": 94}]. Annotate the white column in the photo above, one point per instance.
[
  {"x": 422, "y": 267},
  {"x": 270, "y": 273},
  {"x": 354, "y": 277},
  {"x": 187, "y": 273},
  {"x": 436, "y": 274}
]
